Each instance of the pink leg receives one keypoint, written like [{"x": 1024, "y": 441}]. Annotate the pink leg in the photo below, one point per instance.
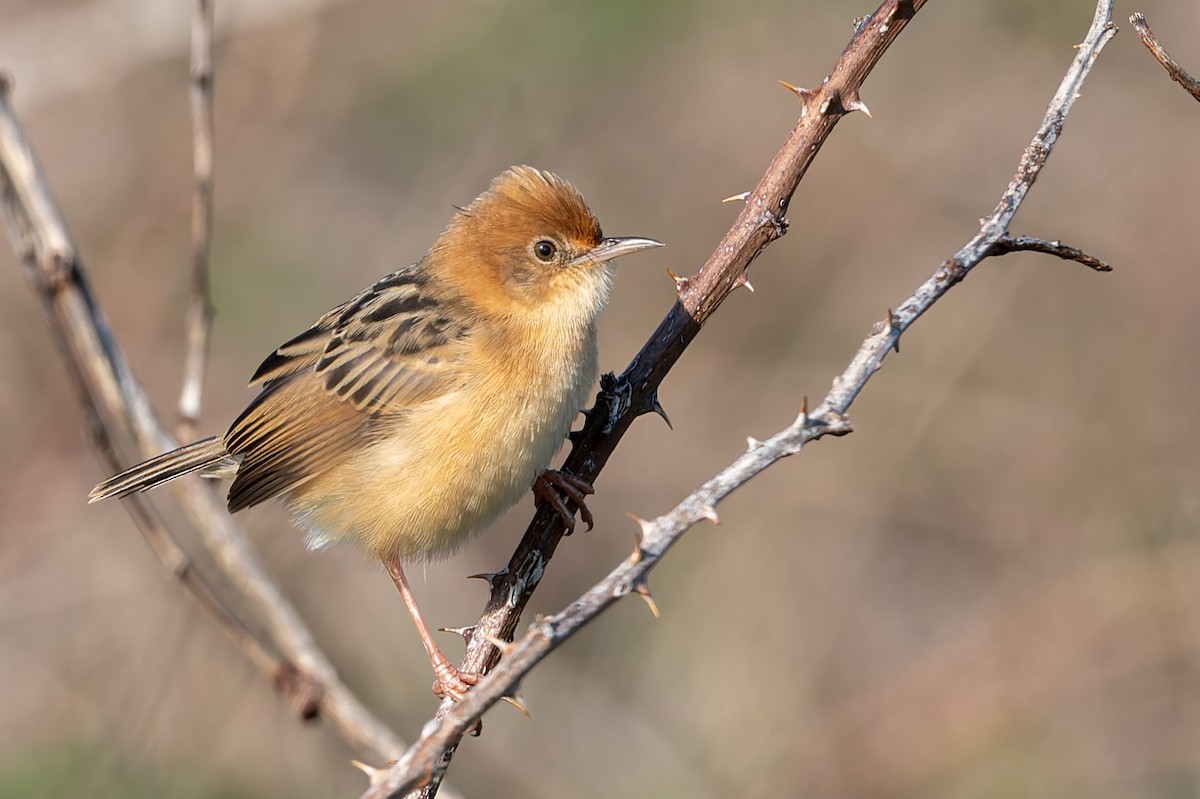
[{"x": 450, "y": 681}]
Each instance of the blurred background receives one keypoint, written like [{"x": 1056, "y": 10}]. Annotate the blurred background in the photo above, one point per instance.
[{"x": 989, "y": 590}]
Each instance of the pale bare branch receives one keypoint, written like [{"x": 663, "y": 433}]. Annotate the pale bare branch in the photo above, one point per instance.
[
  {"x": 200, "y": 309},
  {"x": 114, "y": 402}
]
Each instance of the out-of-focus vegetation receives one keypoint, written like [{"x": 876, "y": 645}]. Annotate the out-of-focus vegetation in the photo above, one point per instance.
[{"x": 990, "y": 589}]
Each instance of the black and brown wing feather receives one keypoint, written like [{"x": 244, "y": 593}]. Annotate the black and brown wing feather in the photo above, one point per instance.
[{"x": 328, "y": 392}]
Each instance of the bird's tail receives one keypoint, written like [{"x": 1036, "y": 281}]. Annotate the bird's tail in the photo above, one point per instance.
[{"x": 207, "y": 453}]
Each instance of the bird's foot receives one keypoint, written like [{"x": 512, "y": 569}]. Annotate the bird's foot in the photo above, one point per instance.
[
  {"x": 550, "y": 488},
  {"x": 451, "y": 682}
]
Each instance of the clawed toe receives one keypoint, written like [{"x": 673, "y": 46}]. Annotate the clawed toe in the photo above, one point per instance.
[
  {"x": 550, "y": 488},
  {"x": 453, "y": 683}
]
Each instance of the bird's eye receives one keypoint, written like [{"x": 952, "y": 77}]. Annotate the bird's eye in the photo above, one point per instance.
[{"x": 545, "y": 250}]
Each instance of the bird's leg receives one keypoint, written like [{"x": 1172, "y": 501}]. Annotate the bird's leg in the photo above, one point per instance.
[
  {"x": 450, "y": 681},
  {"x": 550, "y": 488}
]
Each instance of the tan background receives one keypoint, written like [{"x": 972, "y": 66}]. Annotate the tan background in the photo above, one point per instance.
[{"x": 989, "y": 590}]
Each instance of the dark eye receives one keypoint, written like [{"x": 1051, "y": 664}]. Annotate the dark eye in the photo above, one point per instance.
[{"x": 545, "y": 250}]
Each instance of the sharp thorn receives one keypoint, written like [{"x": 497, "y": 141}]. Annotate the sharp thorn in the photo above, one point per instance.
[
  {"x": 465, "y": 632},
  {"x": 642, "y": 589},
  {"x": 644, "y": 526},
  {"x": 710, "y": 513},
  {"x": 373, "y": 774},
  {"x": 803, "y": 94},
  {"x": 658, "y": 408},
  {"x": 746, "y": 282},
  {"x": 490, "y": 577},
  {"x": 680, "y": 282},
  {"x": 855, "y": 103},
  {"x": 504, "y": 646},
  {"x": 639, "y": 535},
  {"x": 735, "y": 198},
  {"x": 516, "y": 702},
  {"x": 752, "y": 443}
]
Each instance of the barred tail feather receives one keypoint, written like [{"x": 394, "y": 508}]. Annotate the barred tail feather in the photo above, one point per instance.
[{"x": 205, "y": 453}]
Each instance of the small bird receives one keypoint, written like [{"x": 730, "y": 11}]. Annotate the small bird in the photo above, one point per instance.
[{"x": 409, "y": 418}]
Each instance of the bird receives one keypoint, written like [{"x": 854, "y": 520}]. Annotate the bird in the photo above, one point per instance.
[{"x": 407, "y": 419}]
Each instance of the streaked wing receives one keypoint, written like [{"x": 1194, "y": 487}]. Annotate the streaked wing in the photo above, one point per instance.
[
  {"x": 326, "y": 392},
  {"x": 394, "y": 345}
]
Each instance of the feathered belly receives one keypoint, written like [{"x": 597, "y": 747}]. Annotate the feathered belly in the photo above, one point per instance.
[{"x": 443, "y": 472}]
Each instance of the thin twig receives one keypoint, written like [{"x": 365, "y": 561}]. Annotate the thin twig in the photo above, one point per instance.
[
  {"x": 200, "y": 308},
  {"x": 113, "y": 400},
  {"x": 1009, "y": 244},
  {"x": 428, "y": 757},
  {"x": 1177, "y": 73},
  {"x": 169, "y": 553}
]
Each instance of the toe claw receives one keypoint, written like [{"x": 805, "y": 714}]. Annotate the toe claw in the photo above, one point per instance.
[
  {"x": 452, "y": 683},
  {"x": 552, "y": 486}
]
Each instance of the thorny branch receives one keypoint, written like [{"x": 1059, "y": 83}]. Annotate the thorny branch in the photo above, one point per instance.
[
  {"x": 1177, "y": 73},
  {"x": 635, "y": 392},
  {"x": 200, "y": 310},
  {"x": 115, "y": 407},
  {"x": 422, "y": 765}
]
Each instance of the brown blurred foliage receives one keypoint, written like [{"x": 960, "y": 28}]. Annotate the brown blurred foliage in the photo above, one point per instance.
[{"x": 988, "y": 590}]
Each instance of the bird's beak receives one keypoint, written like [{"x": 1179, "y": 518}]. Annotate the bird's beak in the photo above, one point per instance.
[{"x": 609, "y": 249}]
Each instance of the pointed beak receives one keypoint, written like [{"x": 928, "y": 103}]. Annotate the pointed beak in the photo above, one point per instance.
[{"x": 609, "y": 249}]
